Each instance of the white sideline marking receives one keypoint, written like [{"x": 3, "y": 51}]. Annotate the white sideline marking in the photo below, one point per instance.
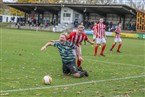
[
  {"x": 116, "y": 63},
  {"x": 75, "y": 84},
  {"x": 127, "y": 55}
]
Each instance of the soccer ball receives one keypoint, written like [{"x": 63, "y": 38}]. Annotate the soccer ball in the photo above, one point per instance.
[{"x": 47, "y": 80}]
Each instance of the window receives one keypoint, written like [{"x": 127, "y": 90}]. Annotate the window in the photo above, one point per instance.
[
  {"x": 66, "y": 15},
  {"x": 76, "y": 16},
  {"x": 65, "y": 10}
]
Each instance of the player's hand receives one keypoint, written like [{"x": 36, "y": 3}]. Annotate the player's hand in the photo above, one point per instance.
[
  {"x": 43, "y": 48},
  {"x": 105, "y": 38},
  {"x": 93, "y": 42},
  {"x": 52, "y": 41},
  {"x": 80, "y": 58}
]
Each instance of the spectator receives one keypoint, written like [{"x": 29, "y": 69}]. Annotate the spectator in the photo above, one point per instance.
[{"x": 75, "y": 23}]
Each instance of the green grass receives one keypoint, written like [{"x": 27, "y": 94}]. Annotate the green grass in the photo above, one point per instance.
[{"x": 23, "y": 66}]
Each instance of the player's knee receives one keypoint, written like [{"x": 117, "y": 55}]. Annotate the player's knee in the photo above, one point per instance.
[
  {"x": 77, "y": 75},
  {"x": 120, "y": 43},
  {"x": 104, "y": 44}
]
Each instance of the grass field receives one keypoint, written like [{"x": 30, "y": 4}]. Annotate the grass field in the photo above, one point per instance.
[{"x": 23, "y": 67}]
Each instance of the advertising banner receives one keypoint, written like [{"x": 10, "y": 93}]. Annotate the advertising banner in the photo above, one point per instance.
[
  {"x": 141, "y": 36},
  {"x": 108, "y": 33},
  {"x": 123, "y": 34}
]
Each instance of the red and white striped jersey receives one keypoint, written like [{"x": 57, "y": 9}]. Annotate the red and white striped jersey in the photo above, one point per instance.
[
  {"x": 77, "y": 39},
  {"x": 118, "y": 30},
  {"x": 100, "y": 30},
  {"x": 93, "y": 28}
]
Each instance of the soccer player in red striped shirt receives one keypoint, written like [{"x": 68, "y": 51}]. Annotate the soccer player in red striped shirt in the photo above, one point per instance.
[
  {"x": 117, "y": 38},
  {"x": 77, "y": 37},
  {"x": 100, "y": 37}
]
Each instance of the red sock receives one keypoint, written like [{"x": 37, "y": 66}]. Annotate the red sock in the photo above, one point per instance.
[
  {"x": 103, "y": 48},
  {"x": 95, "y": 50},
  {"x": 112, "y": 46},
  {"x": 119, "y": 46},
  {"x": 78, "y": 63}
]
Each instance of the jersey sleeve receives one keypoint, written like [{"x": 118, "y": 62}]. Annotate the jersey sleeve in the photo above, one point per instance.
[
  {"x": 117, "y": 31},
  {"x": 96, "y": 26},
  {"x": 69, "y": 36},
  {"x": 55, "y": 44},
  {"x": 93, "y": 28},
  {"x": 104, "y": 27},
  {"x": 86, "y": 37},
  {"x": 72, "y": 45}
]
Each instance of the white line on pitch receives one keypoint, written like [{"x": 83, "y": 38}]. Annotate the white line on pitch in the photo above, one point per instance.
[
  {"x": 75, "y": 84},
  {"x": 116, "y": 63},
  {"x": 127, "y": 55}
]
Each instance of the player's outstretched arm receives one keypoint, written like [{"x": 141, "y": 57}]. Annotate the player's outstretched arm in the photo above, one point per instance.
[
  {"x": 91, "y": 42},
  {"x": 97, "y": 34},
  {"x": 46, "y": 45},
  {"x": 79, "y": 53},
  {"x": 54, "y": 40},
  {"x": 104, "y": 34}
]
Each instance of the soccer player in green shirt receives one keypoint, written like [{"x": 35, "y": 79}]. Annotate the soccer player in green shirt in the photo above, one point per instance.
[{"x": 68, "y": 58}]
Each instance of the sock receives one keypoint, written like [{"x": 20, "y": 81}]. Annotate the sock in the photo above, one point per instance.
[
  {"x": 103, "y": 48},
  {"x": 113, "y": 46},
  {"x": 95, "y": 50},
  {"x": 119, "y": 46},
  {"x": 78, "y": 63}
]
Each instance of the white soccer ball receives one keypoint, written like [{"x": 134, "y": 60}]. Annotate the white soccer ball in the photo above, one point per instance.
[{"x": 47, "y": 80}]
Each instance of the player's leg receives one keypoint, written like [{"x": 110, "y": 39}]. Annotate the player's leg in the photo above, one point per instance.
[
  {"x": 66, "y": 71},
  {"x": 119, "y": 45},
  {"x": 80, "y": 74},
  {"x": 76, "y": 56},
  {"x": 103, "y": 41},
  {"x": 96, "y": 49},
  {"x": 79, "y": 65},
  {"x": 74, "y": 70},
  {"x": 113, "y": 45},
  {"x": 98, "y": 41}
]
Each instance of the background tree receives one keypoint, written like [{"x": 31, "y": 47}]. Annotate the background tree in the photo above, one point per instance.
[{"x": 16, "y": 12}]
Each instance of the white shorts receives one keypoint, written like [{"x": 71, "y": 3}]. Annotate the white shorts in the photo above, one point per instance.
[
  {"x": 94, "y": 36},
  {"x": 75, "y": 51},
  {"x": 117, "y": 40},
  {"x": 100, "y": 40}
]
